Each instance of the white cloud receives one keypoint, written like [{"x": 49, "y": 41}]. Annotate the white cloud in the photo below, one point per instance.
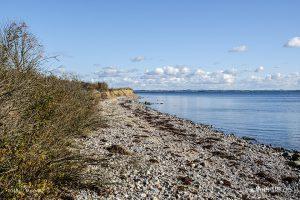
[
  {"x": 259, "y": 69},
  {"x": 228, "y": 78},
  {"x": 159, "y": 71},
  {"x": 294, "y": 42},
  {"x": 271, "y": 81},
  {"x": 200, "y": 72},
  {"x": 138, "y": 59},
  {"x": 242, "y": 48},
  {"x": 276, "y": 76},
  {"x": 184, "y": 70},
  {"x": 169, "y": 71},
  {"x": 220, "y": 77},
  {"x": 175, "y": 77}
]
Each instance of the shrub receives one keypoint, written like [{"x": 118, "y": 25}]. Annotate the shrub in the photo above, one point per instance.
[
  {"x": 100, "y": 86},
  {"x": 39, "y": 118}
]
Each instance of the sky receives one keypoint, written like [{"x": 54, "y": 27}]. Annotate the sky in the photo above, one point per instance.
[{"x": 167, "y": 44}]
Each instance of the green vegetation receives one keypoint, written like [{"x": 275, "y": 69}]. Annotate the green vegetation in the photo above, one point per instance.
[
  {"x": 103, "y": 87},
  {"x": 40, "y": 116},
  {"x": 100, "y": 86}
]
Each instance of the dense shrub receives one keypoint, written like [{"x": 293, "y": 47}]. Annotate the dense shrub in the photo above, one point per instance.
[
  {"x": 99, "y": 86},
  {"x": 39, "y": 118}
]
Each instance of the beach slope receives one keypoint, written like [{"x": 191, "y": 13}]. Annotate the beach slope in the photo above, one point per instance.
[{"x": 148, "y": 154}]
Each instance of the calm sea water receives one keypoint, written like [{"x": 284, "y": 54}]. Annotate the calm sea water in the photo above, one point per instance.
[{"x": 271, "y": 117}]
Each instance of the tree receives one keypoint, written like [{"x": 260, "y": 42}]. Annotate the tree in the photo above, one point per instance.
[{"x": 19, "y": 49}]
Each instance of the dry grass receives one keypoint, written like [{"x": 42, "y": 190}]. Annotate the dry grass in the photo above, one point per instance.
[{"x": 40, "y": 116}]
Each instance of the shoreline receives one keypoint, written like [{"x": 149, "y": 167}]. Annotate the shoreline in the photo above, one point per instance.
[
  {"x": 270, "y": 119},
  {"x": 253, "y": 140},
  {"x": 150, "y": 154}
]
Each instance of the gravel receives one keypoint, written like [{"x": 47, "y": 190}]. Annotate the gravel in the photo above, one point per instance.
[{"x": 146, "y": 154}]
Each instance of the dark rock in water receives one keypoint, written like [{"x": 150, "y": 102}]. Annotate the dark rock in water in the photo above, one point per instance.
[
  {"x": 248, "y": 138},
  {"x": 286, "y": 155},
  {"x": 278, "y": 149},
  {"x": 147, "y": 103}
]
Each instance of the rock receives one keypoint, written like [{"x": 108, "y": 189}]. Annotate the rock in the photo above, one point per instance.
[
  {"x": 143, "y": 195},
  {"x": 295, "y": 164},
  {"x": 248, "y": 138},
  {"x": 153, "y": 160},
  {"x": 295, "y": 157},
  {"x": 185, "y": 180},
  {"x": 286, "y": 155},
  {"x": 199, "y": 157},
  {"x": 226, "y": 182},
  {"x": 103, "y": 140},
  {"x": 147, "y": 103}
]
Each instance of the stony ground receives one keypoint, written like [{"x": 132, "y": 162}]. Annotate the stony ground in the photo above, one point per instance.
[{"x": 145, "y": 154}]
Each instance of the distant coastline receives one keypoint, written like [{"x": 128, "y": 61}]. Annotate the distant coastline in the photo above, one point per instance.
[{"x": 214, "y": 91}]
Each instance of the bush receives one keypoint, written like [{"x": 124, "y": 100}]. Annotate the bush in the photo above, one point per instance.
[
  {"x": 100, "y": 86},
  {"x": 39, "y": 118}
]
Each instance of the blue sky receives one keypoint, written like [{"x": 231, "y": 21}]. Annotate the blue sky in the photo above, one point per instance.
[{"x": 164, "y": 44}]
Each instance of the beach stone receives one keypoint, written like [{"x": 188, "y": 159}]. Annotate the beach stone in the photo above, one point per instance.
[{"x": 175, "y": 158}]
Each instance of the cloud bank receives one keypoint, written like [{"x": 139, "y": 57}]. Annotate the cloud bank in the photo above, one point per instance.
[{"x": 184, "y": 77}]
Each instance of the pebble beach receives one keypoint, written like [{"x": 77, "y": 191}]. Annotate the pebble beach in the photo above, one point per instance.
[{"x": 146, "y": 154}]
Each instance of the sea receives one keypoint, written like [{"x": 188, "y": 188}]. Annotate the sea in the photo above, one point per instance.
[{"x": 271, "y": 117}]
